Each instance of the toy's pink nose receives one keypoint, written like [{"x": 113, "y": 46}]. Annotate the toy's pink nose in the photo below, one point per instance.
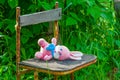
[{"x": 59, "y": 53}]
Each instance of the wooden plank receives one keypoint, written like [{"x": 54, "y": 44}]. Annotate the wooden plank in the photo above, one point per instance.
[
  {"x": 39, "y": 17},
  {"x": 116, "y": 1},
  {"x": 55, "y": 65},
  {"x": 58, "y": 72}
]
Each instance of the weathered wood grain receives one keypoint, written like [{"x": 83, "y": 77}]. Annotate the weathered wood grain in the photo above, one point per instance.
[
  {"x": 40, "y": 17},
  {"x": 55, "y": 65}
]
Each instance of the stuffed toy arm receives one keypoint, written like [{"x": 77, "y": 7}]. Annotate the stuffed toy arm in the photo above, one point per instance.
[{"x": 47, "y": 57}]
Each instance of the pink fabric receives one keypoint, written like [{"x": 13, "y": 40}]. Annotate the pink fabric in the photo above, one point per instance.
[
  {"x": 43, "y": 53},
  {"x": 63, "y": 53}
]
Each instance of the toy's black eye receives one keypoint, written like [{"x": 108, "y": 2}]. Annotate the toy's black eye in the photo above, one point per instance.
[{"x": 61, "y": 49}]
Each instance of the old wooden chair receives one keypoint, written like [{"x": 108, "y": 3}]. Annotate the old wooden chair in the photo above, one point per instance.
[{"x": 53, "y": 67}]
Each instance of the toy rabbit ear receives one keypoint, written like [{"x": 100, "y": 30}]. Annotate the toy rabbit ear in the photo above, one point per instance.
[
  {"x": 76, "y": 55},
  {"x": 54, "y": 41}
]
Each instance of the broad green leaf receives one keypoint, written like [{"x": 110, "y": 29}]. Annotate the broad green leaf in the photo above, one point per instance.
[
  {"x": 76, "y": 2},
  {"x": 37, "y": 29},
  {"x": 1, "y": 35},
  {"x": 116, "y": 62},
  {"x": 70, "y": 21},
  {"x": 94, "y": 12},
  {"x": 26, "y": 34},
  {"x": 68, "y": 2},
  {"x": 2, "y": 1},
  {"x": 12, "y": 46},
  {"x": 46, "y": 5},
  {"x": 32, "y": 8},
  {"x": 74, "y": 16},
  {"x": 13, "y": 3},
  {"x": 101, "y": 56},
  {"x": 104, "y": 1},
  {"x": 107, "y": 15},
  {"x": 73, "y": 40},
  {"x": 78, "y": 46},
  {"x": 31, "y": 52},
  {"x": 90, "y": 2},
  {"x": 10, "y": 25},
  {"x": 23, "y": 53},
  {"x": 1, "y": 24},
  {"x": 68, "y": 5},
  {"x": 5, "y": 59},
  {"x": 7, "y": 38},
  {"x": 117, "y": 43},
  {"x": 1, "y": 71}
]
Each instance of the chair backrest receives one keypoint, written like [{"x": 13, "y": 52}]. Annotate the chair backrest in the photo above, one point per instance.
[
  {"x": 35, "y": 18},
  {"x": 40, "y": 17}
]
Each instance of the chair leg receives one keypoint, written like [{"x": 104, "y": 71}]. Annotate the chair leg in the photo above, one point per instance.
[
  {"x": 35, "y": 75},
  {"x": 72, "y": 76},
  {"x": 18, "y": 76},
  {"x": 55, "y": 77}
]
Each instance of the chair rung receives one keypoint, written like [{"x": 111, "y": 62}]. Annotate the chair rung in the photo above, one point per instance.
[{"x": 24, "y": 71}]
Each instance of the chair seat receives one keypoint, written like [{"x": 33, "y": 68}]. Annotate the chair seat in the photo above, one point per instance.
[{"x": 59, "y": 66}]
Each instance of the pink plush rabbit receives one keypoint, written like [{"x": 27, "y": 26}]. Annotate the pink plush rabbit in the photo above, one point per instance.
[
  {"x": 43, "y": 53},
  {"x": 63, "y": 53}
]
